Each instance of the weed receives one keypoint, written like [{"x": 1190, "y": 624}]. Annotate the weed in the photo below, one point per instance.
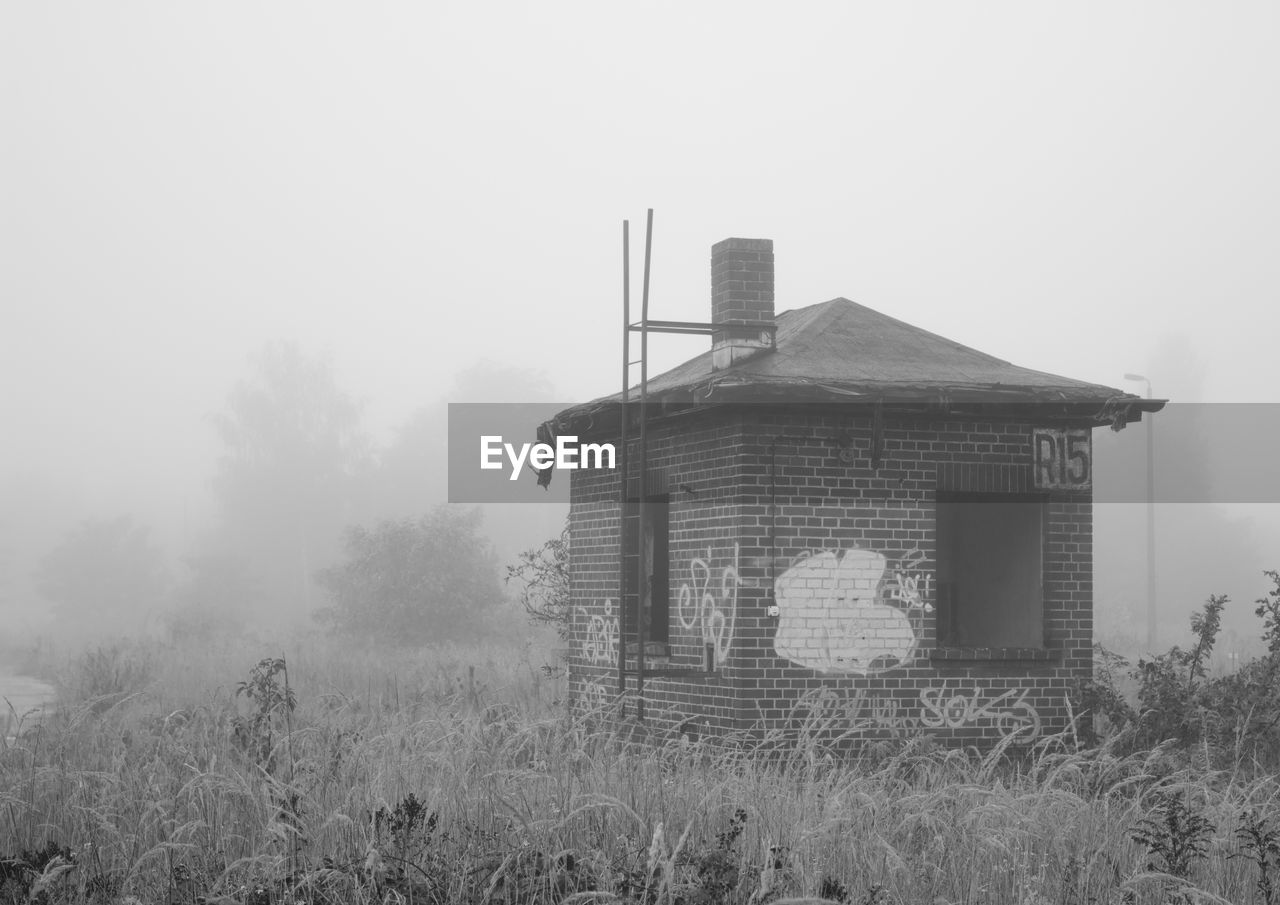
[
  {"x": 104, "y": 675},
  {"x": 1261, "y": 842},
  {"x": 1169, "y": 682},
  {"x": 834, "y": 890},
  {"x": 1175, "y": 837},
  {"x": 402, "y": 836},
  {"x": 18, "y": 874},
  {"x": 717, "y": 869},
  {"x": 515, "y": 801},
  {"x": 1269, "y": 612},
  {"x": 268, "y": 691},
  {"x": 1099, "y": 698}
]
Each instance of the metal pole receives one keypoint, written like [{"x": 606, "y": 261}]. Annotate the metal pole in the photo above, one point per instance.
[
  {"x": 1151, "y": 527},
  {"x": 622, "y": 456},
  {"x": 642, "y": 586},
  {"x": 1151, "y": 516}
]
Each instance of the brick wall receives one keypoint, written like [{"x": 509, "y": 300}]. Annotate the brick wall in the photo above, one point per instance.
[
  {"x": 701, "y": 455},
  {"x": 785, "y": 507},
  {"x": 742, "y": 281}
]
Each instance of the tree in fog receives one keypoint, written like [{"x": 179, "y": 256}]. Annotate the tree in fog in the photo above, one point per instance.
[
  {"x": 413, "y": 468},
  {"x": 215, "y": 599},
  {"x": 413, "y": 582},
  {"x": 295, "y": 459},
  {"x": 6, "y": 577},
  {"x": 104, "y": 575}
]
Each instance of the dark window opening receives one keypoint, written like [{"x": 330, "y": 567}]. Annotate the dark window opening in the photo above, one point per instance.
[
  {"x": 990, "y": 570},
  {"x": 654, "y": 558}
]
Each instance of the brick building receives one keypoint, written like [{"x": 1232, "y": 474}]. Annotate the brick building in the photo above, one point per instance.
[{"x": 849, "y": 524}]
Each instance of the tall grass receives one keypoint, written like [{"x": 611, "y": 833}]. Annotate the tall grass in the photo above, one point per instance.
[{"x": 462, "y": 776}]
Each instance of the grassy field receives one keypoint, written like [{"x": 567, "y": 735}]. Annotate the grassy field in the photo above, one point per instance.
[{"x": 460, "y": 775}]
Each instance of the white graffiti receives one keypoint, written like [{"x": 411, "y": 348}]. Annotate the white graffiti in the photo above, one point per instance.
[
  {"x": 839, "y": 613},
  {"x": 1009, "y": 712},
  {"x": 710, "y": 610},
  {"x": 595, "y": 697},
  {"x": 824, "y": 710},
  {"x": 600, "y": 644},
  {"x": 910, "y": 583}
]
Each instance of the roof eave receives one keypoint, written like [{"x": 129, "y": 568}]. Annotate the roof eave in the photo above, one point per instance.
[{"x": 1076, "y": 405}]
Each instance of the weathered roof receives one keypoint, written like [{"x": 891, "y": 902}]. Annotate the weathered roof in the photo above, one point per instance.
[{"x": 842, "y": 350}]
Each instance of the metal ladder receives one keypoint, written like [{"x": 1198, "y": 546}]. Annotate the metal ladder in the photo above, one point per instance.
[{"x": 644, "y": 327}]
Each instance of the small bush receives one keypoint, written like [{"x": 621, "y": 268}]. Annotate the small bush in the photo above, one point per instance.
[
  {"x": 543, "y": 578},
  {"x": 409, "y": 583},
  {"x": 1225, "y": 718},
  {"x": 103, "y": 675}
]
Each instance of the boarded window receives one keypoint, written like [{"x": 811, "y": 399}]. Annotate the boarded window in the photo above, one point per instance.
[
  {"x": 990, "y": 570},
  {"x": 654, "y": 559}
]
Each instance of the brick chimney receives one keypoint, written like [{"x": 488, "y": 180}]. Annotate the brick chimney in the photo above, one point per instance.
[{"x": 741, "y": 300}]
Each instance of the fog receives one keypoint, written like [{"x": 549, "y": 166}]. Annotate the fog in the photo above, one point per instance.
[{"x": 424, "y": 201}]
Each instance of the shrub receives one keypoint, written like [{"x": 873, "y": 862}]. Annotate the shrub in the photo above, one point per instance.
[
  {"x": 410, "y": 583},
  {"x": 544, "y": 578},
  {"x": 1227, "y": 717},
  {"x": 1170, "y": 682},
  {"x": 105, "y": 674}
]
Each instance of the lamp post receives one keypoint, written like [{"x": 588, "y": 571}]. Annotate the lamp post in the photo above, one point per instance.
[{"x": 1151, "y": 519}]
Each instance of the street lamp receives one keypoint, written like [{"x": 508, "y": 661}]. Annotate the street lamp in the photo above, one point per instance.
[{"x": 1151, "y": 519}]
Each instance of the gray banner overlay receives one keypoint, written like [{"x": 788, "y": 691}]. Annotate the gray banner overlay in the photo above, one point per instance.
[
  {"x": 1202, "y": 452},
  {"x": 517, "y": 424}
]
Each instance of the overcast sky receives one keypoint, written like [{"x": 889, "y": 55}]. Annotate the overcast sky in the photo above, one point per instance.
[{"x": 418, "y": 187}]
